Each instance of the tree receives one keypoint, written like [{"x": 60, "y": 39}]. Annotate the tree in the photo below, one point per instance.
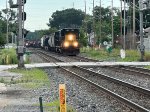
[
  {"x": 105, "y": 25},
  {"x": 66, "y": 18},
  {"x": 12, "y": 19},
  {"x": 39, "y": 33}
]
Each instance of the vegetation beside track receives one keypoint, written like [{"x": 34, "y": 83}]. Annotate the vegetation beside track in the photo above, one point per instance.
[
  {"x": 8, "y": 56},
  {"x": 31, "y": 78},
  {"x": 103, "y": 54},
  {"x": 36, "y": 78},
  {"x": 55, "y": 107}
]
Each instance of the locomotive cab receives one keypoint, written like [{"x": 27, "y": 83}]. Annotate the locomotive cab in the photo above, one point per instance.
[{"x": 70, "y": 43}]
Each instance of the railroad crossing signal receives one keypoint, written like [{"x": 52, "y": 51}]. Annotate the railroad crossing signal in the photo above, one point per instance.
[
  {"x": 21, "y": 33},
  {"x": 24, "y": 16}
]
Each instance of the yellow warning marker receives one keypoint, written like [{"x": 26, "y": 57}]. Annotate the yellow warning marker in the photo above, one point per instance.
[{"x": 62, "y": 97}]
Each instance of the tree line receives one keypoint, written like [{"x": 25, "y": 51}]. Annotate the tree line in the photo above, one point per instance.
[{"x": 12, "y": 24}]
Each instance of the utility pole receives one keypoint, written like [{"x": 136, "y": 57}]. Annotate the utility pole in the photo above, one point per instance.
[
  {"x": 100, "y": 21},
  {"x": 85, "y": 20},
  {"x": 73, "y": 5},
  {"x": 142, "y": 47},
  {"x": 112, "y": 23},
  {"x": 85, "y": 6},
  {"x": 121, "y": 23},
  {"x": 93, "y": 24},
  {"x": 134, "y": 41},
  {"x": 124, "y": 25},
  {"x": 7, "y": 21}
]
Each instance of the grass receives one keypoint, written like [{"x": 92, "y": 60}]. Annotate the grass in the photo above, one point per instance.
[
  {"x": 32, "y": 78},
  {"x": 2, "y": 80},
  {"x": 8, "y": 56},
  {"x": 102, "y": 54},
  {"x": 55, "y": 107},
  {"x": 148, "y": 67}
]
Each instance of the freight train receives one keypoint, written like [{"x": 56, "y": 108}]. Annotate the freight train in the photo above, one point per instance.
[{"x": 65, "y": 41}]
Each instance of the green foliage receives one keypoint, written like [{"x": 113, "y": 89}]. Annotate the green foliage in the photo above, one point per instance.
[
  {"x": 83, "y": 38},
  {"x": 147, "y": 56},
  {"x": 8, "y": 56},
  {"x": 2, "y": 80},
  {"x": 66, "y": 18},
  {"x": 32, "y": 78},
  {"x": 3, "y": 26},
  {"x": 55, "y": 107},
  {"x": 39, "y": 33},
  {"x": 147, "y": 67},
  {"x": 102, "y": 54},
  {"x": 131, "y": 55}
]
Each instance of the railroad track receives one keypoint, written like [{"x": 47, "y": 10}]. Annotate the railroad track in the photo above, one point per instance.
[{"x": 138, "y": 106}]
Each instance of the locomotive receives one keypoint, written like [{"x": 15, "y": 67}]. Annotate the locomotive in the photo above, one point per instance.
[{"x": 64, "y": 41}]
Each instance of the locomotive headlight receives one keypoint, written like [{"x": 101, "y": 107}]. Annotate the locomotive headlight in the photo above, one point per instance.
[
  {"x": 66, "y": 44},
  {"x": 70, "y": 37},
  {"x": 75, "y": 44}
]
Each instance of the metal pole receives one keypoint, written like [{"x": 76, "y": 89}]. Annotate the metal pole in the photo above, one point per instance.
[
  {"x": 93, "y": 24},
  {"x": 7, "y": 22},
  {"x": 12, "y": 40},
  {"x": 112, "y": 25},
  {"x": 41, "y": 104},
  {"x": 100, "y": 21},
  {"x": 85, "y": 20},
  {"x": 124, "y": 25},
  {"x": 23, "y": 24},
  {"x": 20, "y": 47},
  {"x": 121, "y": 23},
  {"x": 142, "y": 47},
  {"x": 133, "y": 43},
  {"x": 73, "y": 5}
]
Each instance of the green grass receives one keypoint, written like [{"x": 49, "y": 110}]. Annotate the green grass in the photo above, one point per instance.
[
  {"x": 8, "y": 56},
  {"x": 55, "y": 107},
  {"x": 32, "y": 78},
  {"x": 131, "y": 55},
  {"x": 102, "y": 54},
  {"x": 147, "y": 56},
  {"x": 148, "y": 67}
]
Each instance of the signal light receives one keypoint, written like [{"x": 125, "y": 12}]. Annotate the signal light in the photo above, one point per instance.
[
  {"x": 24, "y": 16},
  {"x": 24, "y": 1}
]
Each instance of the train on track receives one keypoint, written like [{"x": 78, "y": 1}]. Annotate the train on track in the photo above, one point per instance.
[{"x": 65, "y": 41}]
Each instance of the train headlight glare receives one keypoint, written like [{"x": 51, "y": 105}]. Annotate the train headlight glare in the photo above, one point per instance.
[
  {"x": 75, "y": 44},
  {"x": 66, "y": 44},
  {"x": 70, "y": 37}
]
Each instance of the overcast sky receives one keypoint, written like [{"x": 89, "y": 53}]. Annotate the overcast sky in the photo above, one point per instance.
[{"x": 39, "y": 11}]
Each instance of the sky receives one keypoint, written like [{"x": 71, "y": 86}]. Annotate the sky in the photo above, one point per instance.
[{"x": 39, "y": 11}]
